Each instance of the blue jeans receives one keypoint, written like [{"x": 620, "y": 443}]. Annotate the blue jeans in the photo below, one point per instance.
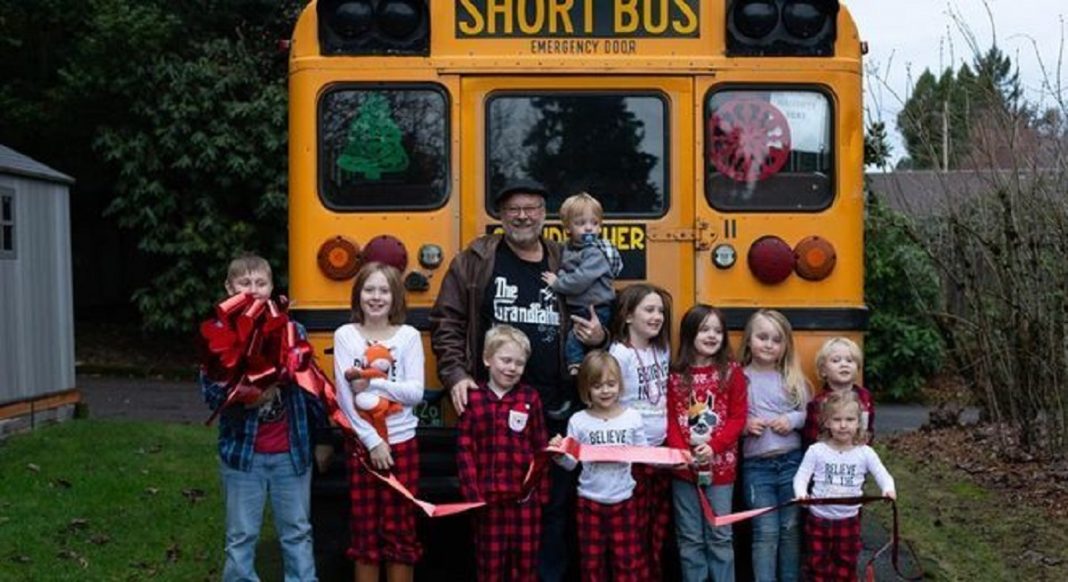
[
  {"x": 776, "y": 536},
  {"x": 575, "y": 350},
  {"x": 245, "y": 494},
  {"x": 706, "y": 552}
]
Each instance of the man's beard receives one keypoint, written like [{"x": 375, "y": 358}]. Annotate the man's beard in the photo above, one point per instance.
[{"x": 525, "y": 237}]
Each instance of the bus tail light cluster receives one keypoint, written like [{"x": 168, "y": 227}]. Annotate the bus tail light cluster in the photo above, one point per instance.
[
  {"x": 771, "y": 260},
  {"x": 340, "y": 258},
  {"x": 757, "y": 28},
  {"x": 374, "y": 27}
]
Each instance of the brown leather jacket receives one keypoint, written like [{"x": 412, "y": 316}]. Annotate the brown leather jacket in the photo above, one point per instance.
[{"x": 455, "y": 334}]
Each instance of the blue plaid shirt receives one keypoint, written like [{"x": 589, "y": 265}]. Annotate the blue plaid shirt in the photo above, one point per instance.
[{"x": 238, "y": 425}]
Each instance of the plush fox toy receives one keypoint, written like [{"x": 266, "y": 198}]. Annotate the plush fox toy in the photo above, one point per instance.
[{"x": 372, "y": 407}]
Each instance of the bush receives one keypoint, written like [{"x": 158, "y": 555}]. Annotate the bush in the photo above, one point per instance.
[{"x": 903, "y": 347}]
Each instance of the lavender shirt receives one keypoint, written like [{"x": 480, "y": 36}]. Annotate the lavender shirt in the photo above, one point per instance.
[{"x": 768, "y": 399}]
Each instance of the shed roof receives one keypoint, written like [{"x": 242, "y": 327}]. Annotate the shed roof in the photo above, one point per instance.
[{"x": 12, "y": 162}]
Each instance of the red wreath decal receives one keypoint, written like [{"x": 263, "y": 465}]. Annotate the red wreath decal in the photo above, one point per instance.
[{"x": 750, "y": 139}]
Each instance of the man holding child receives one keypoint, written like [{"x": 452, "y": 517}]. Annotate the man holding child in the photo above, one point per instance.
[{"x": 491, "y": 283}]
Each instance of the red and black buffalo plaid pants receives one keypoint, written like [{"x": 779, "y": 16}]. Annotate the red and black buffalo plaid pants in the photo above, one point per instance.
[
  {"x": 652, "y": 494},
  {"x": 832, "y": 547},
  {"x": 383, "y": 521},
  {"x": 609, "y": 541},
  {"x": 507, "y": 538}
]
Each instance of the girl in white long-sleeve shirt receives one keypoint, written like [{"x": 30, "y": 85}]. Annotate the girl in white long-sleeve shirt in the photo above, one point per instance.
[
  {"x": 837, "y": 466},
  {"x": 609, "y": 538},
  {"x": 383, "y": 522}
]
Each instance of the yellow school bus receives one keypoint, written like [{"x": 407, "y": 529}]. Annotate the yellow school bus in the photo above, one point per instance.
[{"x": 723, "y": 137}]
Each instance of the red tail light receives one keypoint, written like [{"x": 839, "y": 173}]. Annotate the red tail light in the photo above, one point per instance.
[
  {"x": 771, "y": 260},
  {"x": 388, "y": 250}
]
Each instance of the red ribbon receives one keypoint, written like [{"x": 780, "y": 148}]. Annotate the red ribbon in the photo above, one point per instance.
[
  {"x": 252, "y": 344},
  {"x": 893, "y": 544},
  {"x": 585, "y": 453}
]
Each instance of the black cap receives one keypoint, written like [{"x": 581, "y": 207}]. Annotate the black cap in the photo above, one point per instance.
[{"x": 519, "y": 187}]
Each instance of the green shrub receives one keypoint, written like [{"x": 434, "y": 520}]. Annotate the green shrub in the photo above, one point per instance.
[{"x": 903, "y": 347}]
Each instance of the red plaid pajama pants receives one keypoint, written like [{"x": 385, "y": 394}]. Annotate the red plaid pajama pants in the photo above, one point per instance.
[
  {"x": 383, "y": 521},
  {"x": 832, "y": 548},
  {"x": 652, "y": 495},
  {"x": 507, "y": 538},
  {"x": 609, "y": 539}
]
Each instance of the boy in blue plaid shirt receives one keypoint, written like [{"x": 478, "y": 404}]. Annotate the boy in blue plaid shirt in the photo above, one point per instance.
[
  {"x": 265, "y": 452},
  {"x": 587, "y": 269}
]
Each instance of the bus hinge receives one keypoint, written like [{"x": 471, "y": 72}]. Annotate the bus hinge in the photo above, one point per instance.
[{"x": 700, "y": 235}]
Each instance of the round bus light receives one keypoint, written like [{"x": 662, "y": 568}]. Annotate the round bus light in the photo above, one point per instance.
[
  {"x": 353, "y": 19},
  {"x": 724, "y": 256},
  {"x": 339, "y": 258},
  {"x": 805, "y": 19},
  {"x": 399, "y": 18},
  {"x": 388, "y": 250},
  {"x": 815, "y": 258},
  {"x": 771, "y": 260},
  {"x": 431, "y": 256},
  {"x": 755, "y": 18}
]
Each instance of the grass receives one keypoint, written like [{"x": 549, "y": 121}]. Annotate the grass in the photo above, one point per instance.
[
  {"x": 104, "y": 500},
  {"x": 962, "y": 531}
]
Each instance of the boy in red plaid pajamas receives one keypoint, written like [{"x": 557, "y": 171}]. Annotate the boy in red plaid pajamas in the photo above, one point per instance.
[
  {"x": 609, "y": 540},
  {"x": 499, "y": 435},
  {"x": 837, "y": 466}
]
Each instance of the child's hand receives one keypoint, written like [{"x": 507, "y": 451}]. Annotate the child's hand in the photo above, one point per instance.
[
  {"x": 780, "y": 425},
  {"x": 702, "y": 454},
  {"x": 549, "y": 278},
  {"x": 556, "y": 441},
  {"x": 356, "y": 383},
  {"x": 891, "y": 494},
  {"x": 754, "y": 426},
  {"x": 381, "y": 458}
]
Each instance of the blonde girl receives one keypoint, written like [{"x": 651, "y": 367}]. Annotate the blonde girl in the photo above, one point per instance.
[
  {"x": 771, "y": 447},
  {"x": 838, "y": 364},
  {"x": 383, "y": 522},
  {"x": 707, "y": 407},
  {"x": 836, "y": 466},
  {"x": 608, "y": 534},
  {"x": 641, "y": 343}
]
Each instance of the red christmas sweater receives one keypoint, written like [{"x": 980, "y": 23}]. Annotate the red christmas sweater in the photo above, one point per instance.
[{"x": 730, "y": 401}]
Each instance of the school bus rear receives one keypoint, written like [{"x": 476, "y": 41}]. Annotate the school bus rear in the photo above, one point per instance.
[{"x": 723, "y": 138}]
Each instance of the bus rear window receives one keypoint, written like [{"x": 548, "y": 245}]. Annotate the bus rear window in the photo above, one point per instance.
[
  {"x": 612, "y": 145},
  {"x": 383, "y": 148},
  {"x": 768, "y": 150}
]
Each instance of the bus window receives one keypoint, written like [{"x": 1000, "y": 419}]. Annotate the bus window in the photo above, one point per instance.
[
  {"x": 383, "y": 148},
  {"x": 768, "y": 150},
  {"x": 612, "y": 145}
]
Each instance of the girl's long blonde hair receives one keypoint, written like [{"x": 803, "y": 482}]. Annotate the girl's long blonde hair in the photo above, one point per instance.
[{"x": 793, "y": 378}]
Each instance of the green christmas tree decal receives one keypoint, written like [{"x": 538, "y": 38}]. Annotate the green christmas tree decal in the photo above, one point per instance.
[{"x": 374, "y": 142}]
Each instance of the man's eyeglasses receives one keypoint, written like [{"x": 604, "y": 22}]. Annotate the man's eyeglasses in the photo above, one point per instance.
[{"x": 514, "y": 211}]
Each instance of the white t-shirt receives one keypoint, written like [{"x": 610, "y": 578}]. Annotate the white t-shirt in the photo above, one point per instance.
[
  {"x": 404, "y": 382},
  {"x": 606, "y": 483},
  {"x": 645, "y": 374},
  {"x": 839, "y": 474}
]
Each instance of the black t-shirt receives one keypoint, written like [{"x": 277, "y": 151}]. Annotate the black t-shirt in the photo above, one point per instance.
[{"x": 517, "y": 296}]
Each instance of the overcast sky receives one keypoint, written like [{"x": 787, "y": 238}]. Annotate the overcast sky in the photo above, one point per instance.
[{"x": 907, "y": 36}]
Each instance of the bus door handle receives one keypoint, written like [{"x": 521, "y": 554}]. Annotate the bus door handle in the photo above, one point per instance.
[{"x": 701, "y": 235}]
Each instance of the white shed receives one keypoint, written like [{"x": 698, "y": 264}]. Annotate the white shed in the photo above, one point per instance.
[{"x": 36, "y": 302}]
